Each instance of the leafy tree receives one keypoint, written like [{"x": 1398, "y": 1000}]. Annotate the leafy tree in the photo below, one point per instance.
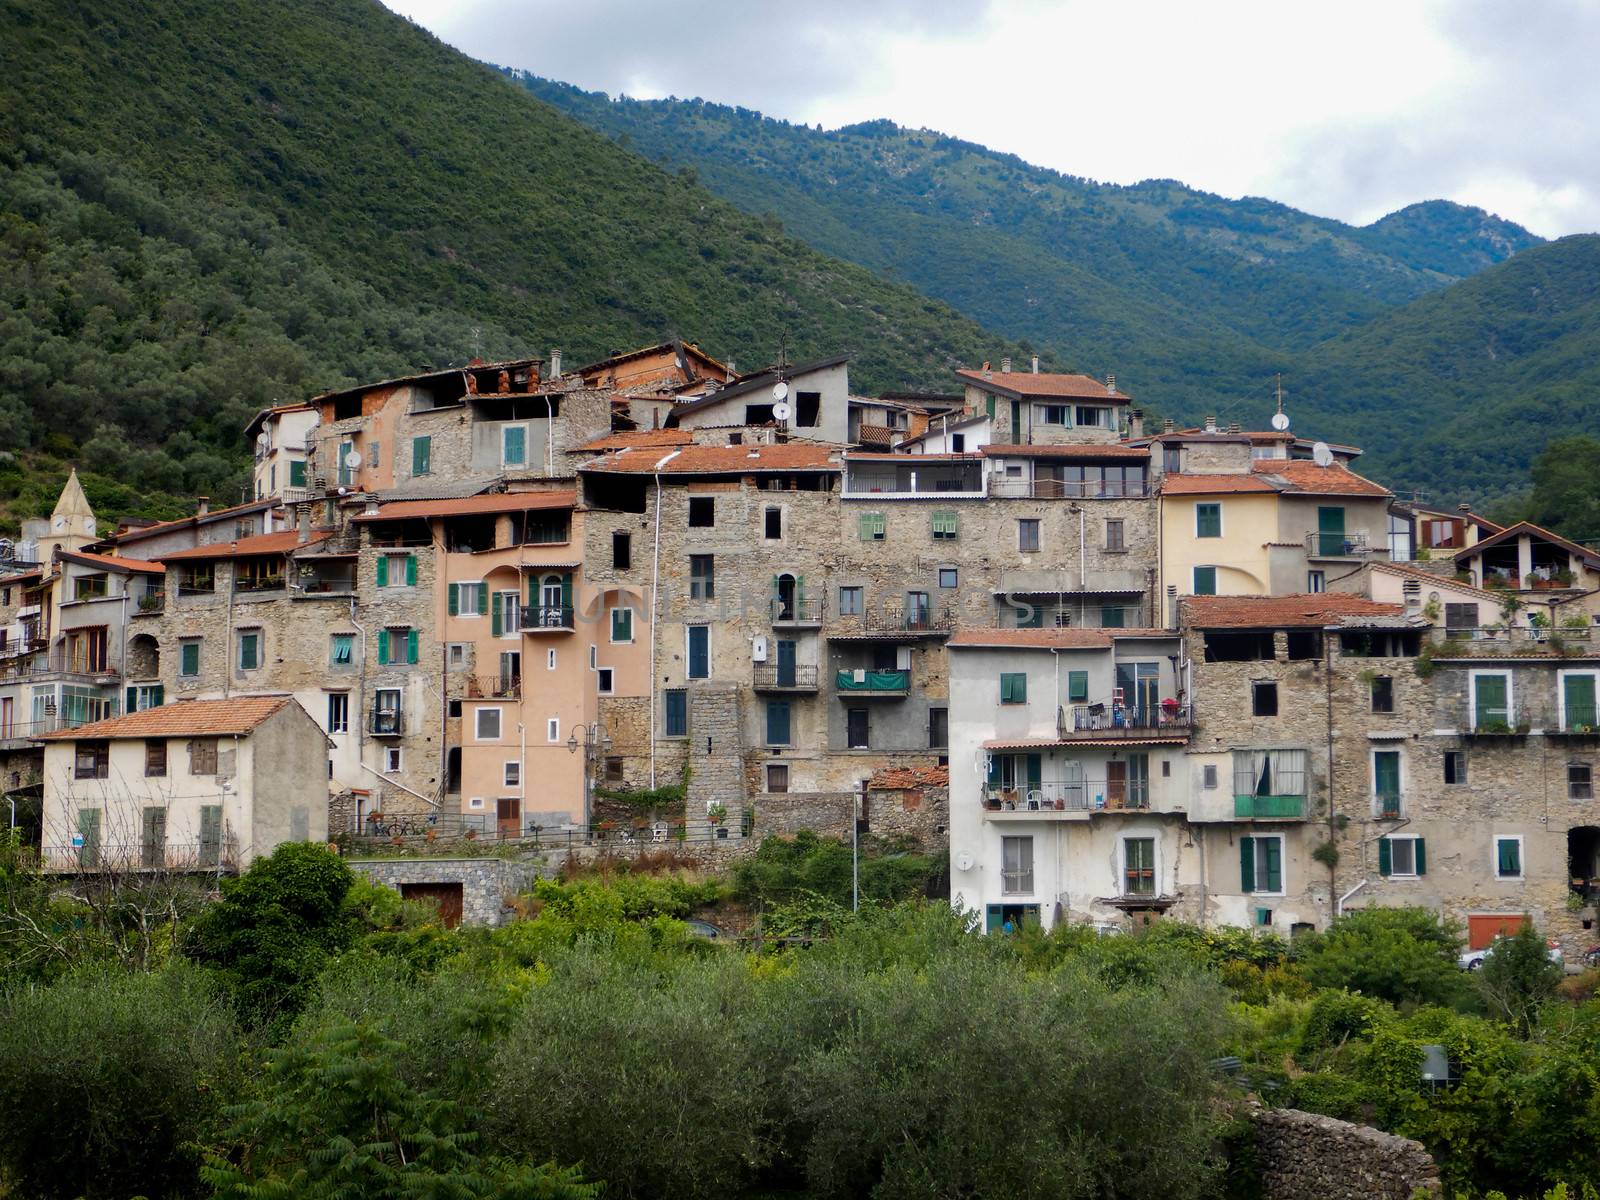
[
  {"x": 1402, "y": 955},
  {"x": 1517, "y": 976},
  {"x": 788, "y": 869},
  {"x": 1566, "y": 487},
  {"x": 108, "y": 1081}
]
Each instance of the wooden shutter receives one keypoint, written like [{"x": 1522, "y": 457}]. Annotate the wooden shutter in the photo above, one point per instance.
[
  {"x": 411, "y": 570},
  {"x": 497, "y": 620},
  {"x": 454, "y": 602},
  {"x": 132, "y": 701},
  {"x": 383, "y": 570},
  {"x": 383, "y": 647},
  {"x": 1579, "y": 698},
  {"x": 1419, "y": 848},
  {"x": 483, "y": 597},
  {"x": 1035, "y": 771},
  {"x": 566, "y": 593},
  {"x": 1385, "y": 857},
  {"x": 411, "y": 645},
  {"x": 1274, "y": 848},
  {"x": 1247, "y": 864},
  {"x": 1490, "y": 692},
  {"x": 1078, "y": 686}
]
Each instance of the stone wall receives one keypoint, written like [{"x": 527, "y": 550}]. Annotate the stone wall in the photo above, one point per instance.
[
  {"x": 487, "y": 884},
  {"x": 1304, "y": 1156}
]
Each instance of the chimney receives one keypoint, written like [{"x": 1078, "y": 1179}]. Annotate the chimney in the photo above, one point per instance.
[
  {"x": 1466, "y": 509},
  {"x": 302, "y": 514},
  {"x": 1005, "y": 365},
  {"x": 733, "y": 372},
  {"x": 1136, "y": 423},
  {"x": 1166, "y": 425},
  {"x": 555, "y": 363},
  {"x": 1111, "y": 385},
  {"x": 1035, "y": 364},
  {"x": 1211, "y": 424},
  {"x": 202, "y": 505},
  {"x": 1233, "y": 427}
]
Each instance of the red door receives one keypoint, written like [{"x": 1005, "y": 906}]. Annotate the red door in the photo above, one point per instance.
[
  {"x": 1483, "y": 928},
  {"x": 508, "y": 817}
]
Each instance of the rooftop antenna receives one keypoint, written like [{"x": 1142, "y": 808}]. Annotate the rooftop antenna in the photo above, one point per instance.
[
  {"x": 477, "y": 341},
  {"x": 1280, "y": 419}
]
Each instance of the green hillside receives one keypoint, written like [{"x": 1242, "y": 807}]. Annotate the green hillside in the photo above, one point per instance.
[{"x": 208, "y": 206}]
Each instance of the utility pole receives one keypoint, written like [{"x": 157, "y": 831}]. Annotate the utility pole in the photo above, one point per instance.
[{"x": 855, "y": 848}]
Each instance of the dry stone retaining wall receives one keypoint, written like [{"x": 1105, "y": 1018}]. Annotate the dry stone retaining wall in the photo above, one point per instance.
[{"x": 1304, "y": 1156}]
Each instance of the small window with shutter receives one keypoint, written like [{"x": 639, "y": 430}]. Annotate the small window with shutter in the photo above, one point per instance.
[{"x": 871, "y": 527}]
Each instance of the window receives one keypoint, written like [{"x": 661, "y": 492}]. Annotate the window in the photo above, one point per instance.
[
  {"x": 550, "y": 660},
  {"x": 1455, "y": 766},
  {"x": 468, "y": 599},
  {"x": 1463, "y": 617},
  {"x": 1208, "y": 520},
  {"x": 1491, "y": 701},
  {"x": 552, "y": 729},
  {"x": 613, "y": 770},
  {"x": 297, "y": 473},
  {"x": 505, "y": 614},
  {"x": 938, "y": 729},
  {"x": 1139, "y": 866},
  {"x": 1205, "y": 581},
  {"x": 851, "y": 601},
  {"x": 675, "y": 716},
  {"x": 777, "y": 777},
  {"x": 144, "y": 696},
  {"x": 1114, "y": 536},
  {"x": 1264, "y": 698},
  {"x": 778, "y": 725},
  {"x": 958, "y": 443},
  {"x": 1578, "y": 701},
  {"x": 1208, "y": 777},
  {"x": 871, "y": 527},
  {"x": 772, "y": 523},
  {"x": 421, "y": 455},
  {"x": 397, "y": 646},
  {"x": 948, "y": 577},
  {"x": 1113, "y": 616},
  {"x": 341, "y": 649},
  {"x": 605, "y": 680},
  {"x": 1028, "y": 535},
  {"x": 1016, "y": 866},
  {"x": 702, "y": 512},
  {"x": 397, "y": 570},
  {"x": 1013, "y": 687},
  {"x": 622, "y": 624},
  {"x": 1383, "y": 694},
  {"x": 1269, "y": 773},
  {"x": 856, "y": 729},
  {"x": 203, "y": 756},
  {"x": 155, "y": 758},
  {"x": 621, "y": 551},
  {"x": 91, "y": 760},
  {"x": 486, "y": 726},
  {"x": 946, "y": 526},
  {"x": 249, "y": 649},
  {"x": 1580, "y": 781},
  {"x": 347, "y": 463},
  {"x": 338, "y": 712},
  {"x": 1261, "y": 865},
  {"x": 1386, "y": 783},
  {"x": 1508, "y": 858},
  {"x": 455, "y": 656},
  {"x": 393, "y": 760},
  {"x": 1316, "y": 581},
  {"x": 189, "y": 658},
  {"x": 1404, "y": 855},
  {"x": 699, "y": 651},
  {"x": 512, "y": 775},
  {"x": 514, "y": 445},
  {"x": 702, "y": 576}
]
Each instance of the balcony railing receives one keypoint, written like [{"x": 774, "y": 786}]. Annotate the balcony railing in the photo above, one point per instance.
[
  {"x": 1263, "y": 808},
  {"x": 326, "y": 585},
  {"x": 250, "y": 587},
  {"x": 1108, "y": 720},
  {"x": 1337, "y": 545},
  {"x": 1387, "y": 806},
  {"x": 538, "y": 618},
  {"x": 852, "y": 683},
  {"x": 56, "y": 663},
  {"x": 22, "y": 730},
  {"x": 1066, "y": 489},
  {"x": 491, "y": 687},
  {"x": 153, "y": 600},
  {"x": 796, "y": 677},
  {"x": 797, "y": 610},
  {"x": 1078, "y": 796},
  {"x": 142, "y": 857},
  {"x": 383, "y": 722},
  {"x": 890, "y": 621},
  {"x": 1512, "y": 721}
]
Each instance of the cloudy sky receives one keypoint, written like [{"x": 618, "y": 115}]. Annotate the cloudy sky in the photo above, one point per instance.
[{"x": 1350, "y": 109}]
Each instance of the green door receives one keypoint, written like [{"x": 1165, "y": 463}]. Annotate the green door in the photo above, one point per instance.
[
  {"x": 88, "y": 837},
  {"x": 1386, "y": 781},
  {"x": 1490, "y": 709},
  {"x": 210, "y": 835},
  {"x": 1330, "y": 531},
  {"x": 1578, "y": 695},
  {"x": 785, "y": 664}
]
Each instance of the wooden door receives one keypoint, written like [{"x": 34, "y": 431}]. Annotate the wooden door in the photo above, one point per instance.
[
  {"x": 508, "y": 816},
  {"x": 1116, "y": 784},
  {"x": 446, "y": 896},
  {"x": 1483, "y": 928}
]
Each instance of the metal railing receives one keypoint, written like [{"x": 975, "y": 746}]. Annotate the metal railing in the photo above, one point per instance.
[
  {"x": 861, "y": 682},
  {"x": 1122, "y": 720},
  {"x": 1085, "y": 795},
  {"x": 383, "y": 722},
  {"x": 38, "y": 665},
  {"x": 271, "y": 583},
  {"x": 142, "y": 857},
  {"x": 1387, "y": 806},
  {"x": 22, "y": 730},
  {"x": 799, "y": 677},
  {"x": 152, "y": 600},
  {"x": 1496, "y": 639},
  {"x": 491, "y": 687},
  {"x": 1337, "y": 545},
  {"x": 1065, "y": 489},
  {"x": 1257, "y": 808},
  {"x": 546, "y": 616},
  {"x": 797, "y": 610},
  {"x": 899, "y": 620},
  {"x": 327, "y": 585}
]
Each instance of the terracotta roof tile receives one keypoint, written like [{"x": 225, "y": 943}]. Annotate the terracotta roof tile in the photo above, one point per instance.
[
  {"x": 1301, "y": 475},
  {"x": 1212, "y": 485},
  {"x": 143, "y": 531},
  {"x": 1521, "y": 527},
  {"x": 998, "y": 450},
  {"x": 1043, "y": 384},
  {"x": 121, "y": 564},
  {"x": 908, "y": 459},
  {"x": 718, "y": 460},
  {"x": 902, "y": 778},
  {"x": 1070, "y": 638},
  {"x": 636, "y": 438},
  {"x": 1310, "y": 611},
  {"x": 499, "y": 502},
  {"x": 282, "y": 542},
  {"x": 185, "y": 718}
]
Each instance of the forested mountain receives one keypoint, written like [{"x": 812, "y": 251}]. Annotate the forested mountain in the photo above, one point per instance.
[{"x": 206, "y": 205}]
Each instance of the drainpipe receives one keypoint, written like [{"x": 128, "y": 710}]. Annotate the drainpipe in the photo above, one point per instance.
[
  {"x": 522, "y": 775},
  {"x": 361, "y": 700},
  {"x": 655, "y": 586},
  {"x": 227, "y": 649},
  {"x": 1327, "y": 655},
  {"x": 1338, "y": 907}
]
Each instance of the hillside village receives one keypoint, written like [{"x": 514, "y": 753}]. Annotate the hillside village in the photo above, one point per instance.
[{"x": 1119, "y": 672}]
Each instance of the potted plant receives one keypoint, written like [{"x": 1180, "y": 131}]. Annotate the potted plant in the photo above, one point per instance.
[
  {"x": 606, "y": 825},
  {"x": 717, "y": 813}
]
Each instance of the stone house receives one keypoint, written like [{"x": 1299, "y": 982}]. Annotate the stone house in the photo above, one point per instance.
[
  {"x": 1045, "y": 408},
  {"x": 1541, "y": 569},
  {"x": 203, "y": 785},
  {"x": 816, "y": 396}
]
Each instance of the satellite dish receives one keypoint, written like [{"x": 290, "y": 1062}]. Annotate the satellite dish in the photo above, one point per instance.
[
  {"x": 964, "y": 861},
  {"x": 1280, "y": 421},
  {"x": 263, "y": 440},
  {"x": 344, "y": 491},
  {"x": 780, "y": 391},
  {"x": 353, "y": 459},
  {"x": 1321, "y": 455},
  {"x": 780, "y": 411}
]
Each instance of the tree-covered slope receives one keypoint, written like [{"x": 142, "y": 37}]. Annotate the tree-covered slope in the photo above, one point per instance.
[{"x": 206, "y": 205}]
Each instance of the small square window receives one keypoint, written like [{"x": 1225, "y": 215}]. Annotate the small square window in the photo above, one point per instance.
[
  {"x": 1508, "y": 858},
  {"x": 1208, "y": 777},
  {"x": 456, "y": 656},
  {"x": 1316, "y": 581},
  {"x": 1264, "y": 698},
  {"x": 1205, "y": 581},
  {"x": 1455, "y": 766},
  {"x": 249, "y": 650},
  {"x": 946, "y": 526},
  {"x": 189, "y": 658},
  {"x": 155, "y": 759},
  {"x": 948, "y": 577},
  {"x": 1383, "y": 694},
  {"x": 341, "y": 651},
  {"x": 1208, "y": 520},
  {"x": 777, "y": 777},
  {"x": 702, "y": 512},
  {"x": 851, "y": 601},
  {"x": 1114, "y": 536},
  {"x": 1580, "y": 781},
  {"x": 392, "y": 760},
  {"x": 621, "y": 551},
  {"x": 452, "y": 709},
  {"x": 622, "y": 624},
  {"x": 1028, "y": 535},
  {"x": 487, "y": 727},
  {"x": 613, "y": 769},
  {"x": 1013, "y": 687},
  {"x": 604, "y": 679}
]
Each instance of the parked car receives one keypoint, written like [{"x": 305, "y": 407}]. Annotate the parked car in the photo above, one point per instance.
[{"x": 1471, "y": 960}]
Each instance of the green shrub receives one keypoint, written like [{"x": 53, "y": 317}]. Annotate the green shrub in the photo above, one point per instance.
[
  {"x": 1338, "y": 1016},
  {"x": 1517, "y": 977},
  {"x": 1402, "y": 955}
]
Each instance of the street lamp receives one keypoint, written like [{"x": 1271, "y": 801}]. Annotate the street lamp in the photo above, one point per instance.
[{"x": 594, "y": 738}]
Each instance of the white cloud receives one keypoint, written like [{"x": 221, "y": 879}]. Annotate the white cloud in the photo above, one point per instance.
[{"x": 1347, "y": 109}]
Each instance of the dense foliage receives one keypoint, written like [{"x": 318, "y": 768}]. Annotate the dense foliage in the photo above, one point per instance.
[{"x": 205, "y": 207}]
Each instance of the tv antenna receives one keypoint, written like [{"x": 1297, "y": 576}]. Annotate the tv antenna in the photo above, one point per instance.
[{"x": 1280, "y": 419}]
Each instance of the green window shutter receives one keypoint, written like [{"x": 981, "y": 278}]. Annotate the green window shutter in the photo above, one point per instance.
[
  {"x": 516, "y": 445},
  {"x": 1013, "y": 687},
  {"x": 864, "y": 526},
  {"x": 411, "y": 570},
  {"x": 1247, "y": 864},
  {"x": 1510, "y": 857},
  {"x": 1035, "y": 770},
  {"x": 411, "y": 645},
  {"x": 383, "y": 570},
  {"x": 1274, "y": 864},
  {"x": 1078, "y": 686},
  {"x": 421, "y": 453},
  {"x": 1111, "y": 616},
  {"x": 774, "y": 587},
  {"x": 1385, "y": 857},
  {"x": 158, "y": 695},
  {"x": 566, "y": 590},
  {"x": 1208, "y": 520},
  {"x": 994, "y": 770},
  {"x": 483, "y": 597},
  {"x": 1491, "y": 696},
  {"x": 133, "y": 701},
  {"x": 1580, "y": 706},
  {"x": 1421, "y": 851},
  {"x": 988, "y": 405},
  {"x": 497, "y": 620},
  {"x": 189, "y": 659},
  {"x": 383, "y": 647},
  {"x": 1205, "y": 581},
  {"x": 454, "y": 593}
]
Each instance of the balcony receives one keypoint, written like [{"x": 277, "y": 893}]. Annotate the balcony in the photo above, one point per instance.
[
  {"x": 59, "y": 664},
  {"x": 1077, "y": 798},
  {"x": 857, "y": 684},
  {"x": 895, "y": 624},
  {"x": 1269, "y": 808},
  {"x": 263, "y": 587},
  {"x": 490, "y": 687},
  {"x": 912, "y": 477},
  {"x": 1388, "y": 806},
  {"x": 1491, "y": 723},
  {"x": 1338, "y": 545},
  {"x": 1098, "y": 722},
  {"x": 317, "y": 583},
  {"x": 797, "y": 677},
  {"x": 795, "y": 612},
  {"x": 1067, "y": 489},
  {"x": 151, "y": 602},
  {"x": 383, "y": 722},
  {"x": 547, "y": 618},
  {"x": 142, "y": 858}
]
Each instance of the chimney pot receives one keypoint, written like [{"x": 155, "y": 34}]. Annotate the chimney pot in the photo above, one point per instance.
[
  {"x": 1233, "y": 427},
  {"x": 1135, "y": 423},
  {"x": 1465, "y": 508},
  {"x": 555, "y": 363},
  {"x": 1111, "y": 385},
  {"x": 202, "y": 505},
  {"x": 1035, "y": 364},
  {"x": 1211, "y": 424},
  {"x": 1166, "y": 425},
  {"x": 1005, "y": 365},
  {"x": 302, "y": 514}
]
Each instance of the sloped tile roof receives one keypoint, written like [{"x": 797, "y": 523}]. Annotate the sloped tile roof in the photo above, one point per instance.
[
  {"x": 1528, "y": 527},
  {"x": 1307, "y": 611},
  {"x": 902, "y": 778},
  {"x": 499, "y": 502},
  {"x": 718, "y": 460},
  {"x": 118, "y": 564},
  {"x": 185, "y": 718},
  {"x": 1069, "y": 638},
  {"x": 999, "y": 450},
  {"x": 1212, "y": 485},
  {"x": 1301, "y": 475},
  {"x": 636, "y": 438},
  {"x": 281, "y": 542},
  {"x": 1043, "y": 385}
]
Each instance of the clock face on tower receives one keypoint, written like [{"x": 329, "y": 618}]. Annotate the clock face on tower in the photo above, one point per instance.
[
  {"x": 88, "y": 524},
  {"x": 60, "y": 525}
]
